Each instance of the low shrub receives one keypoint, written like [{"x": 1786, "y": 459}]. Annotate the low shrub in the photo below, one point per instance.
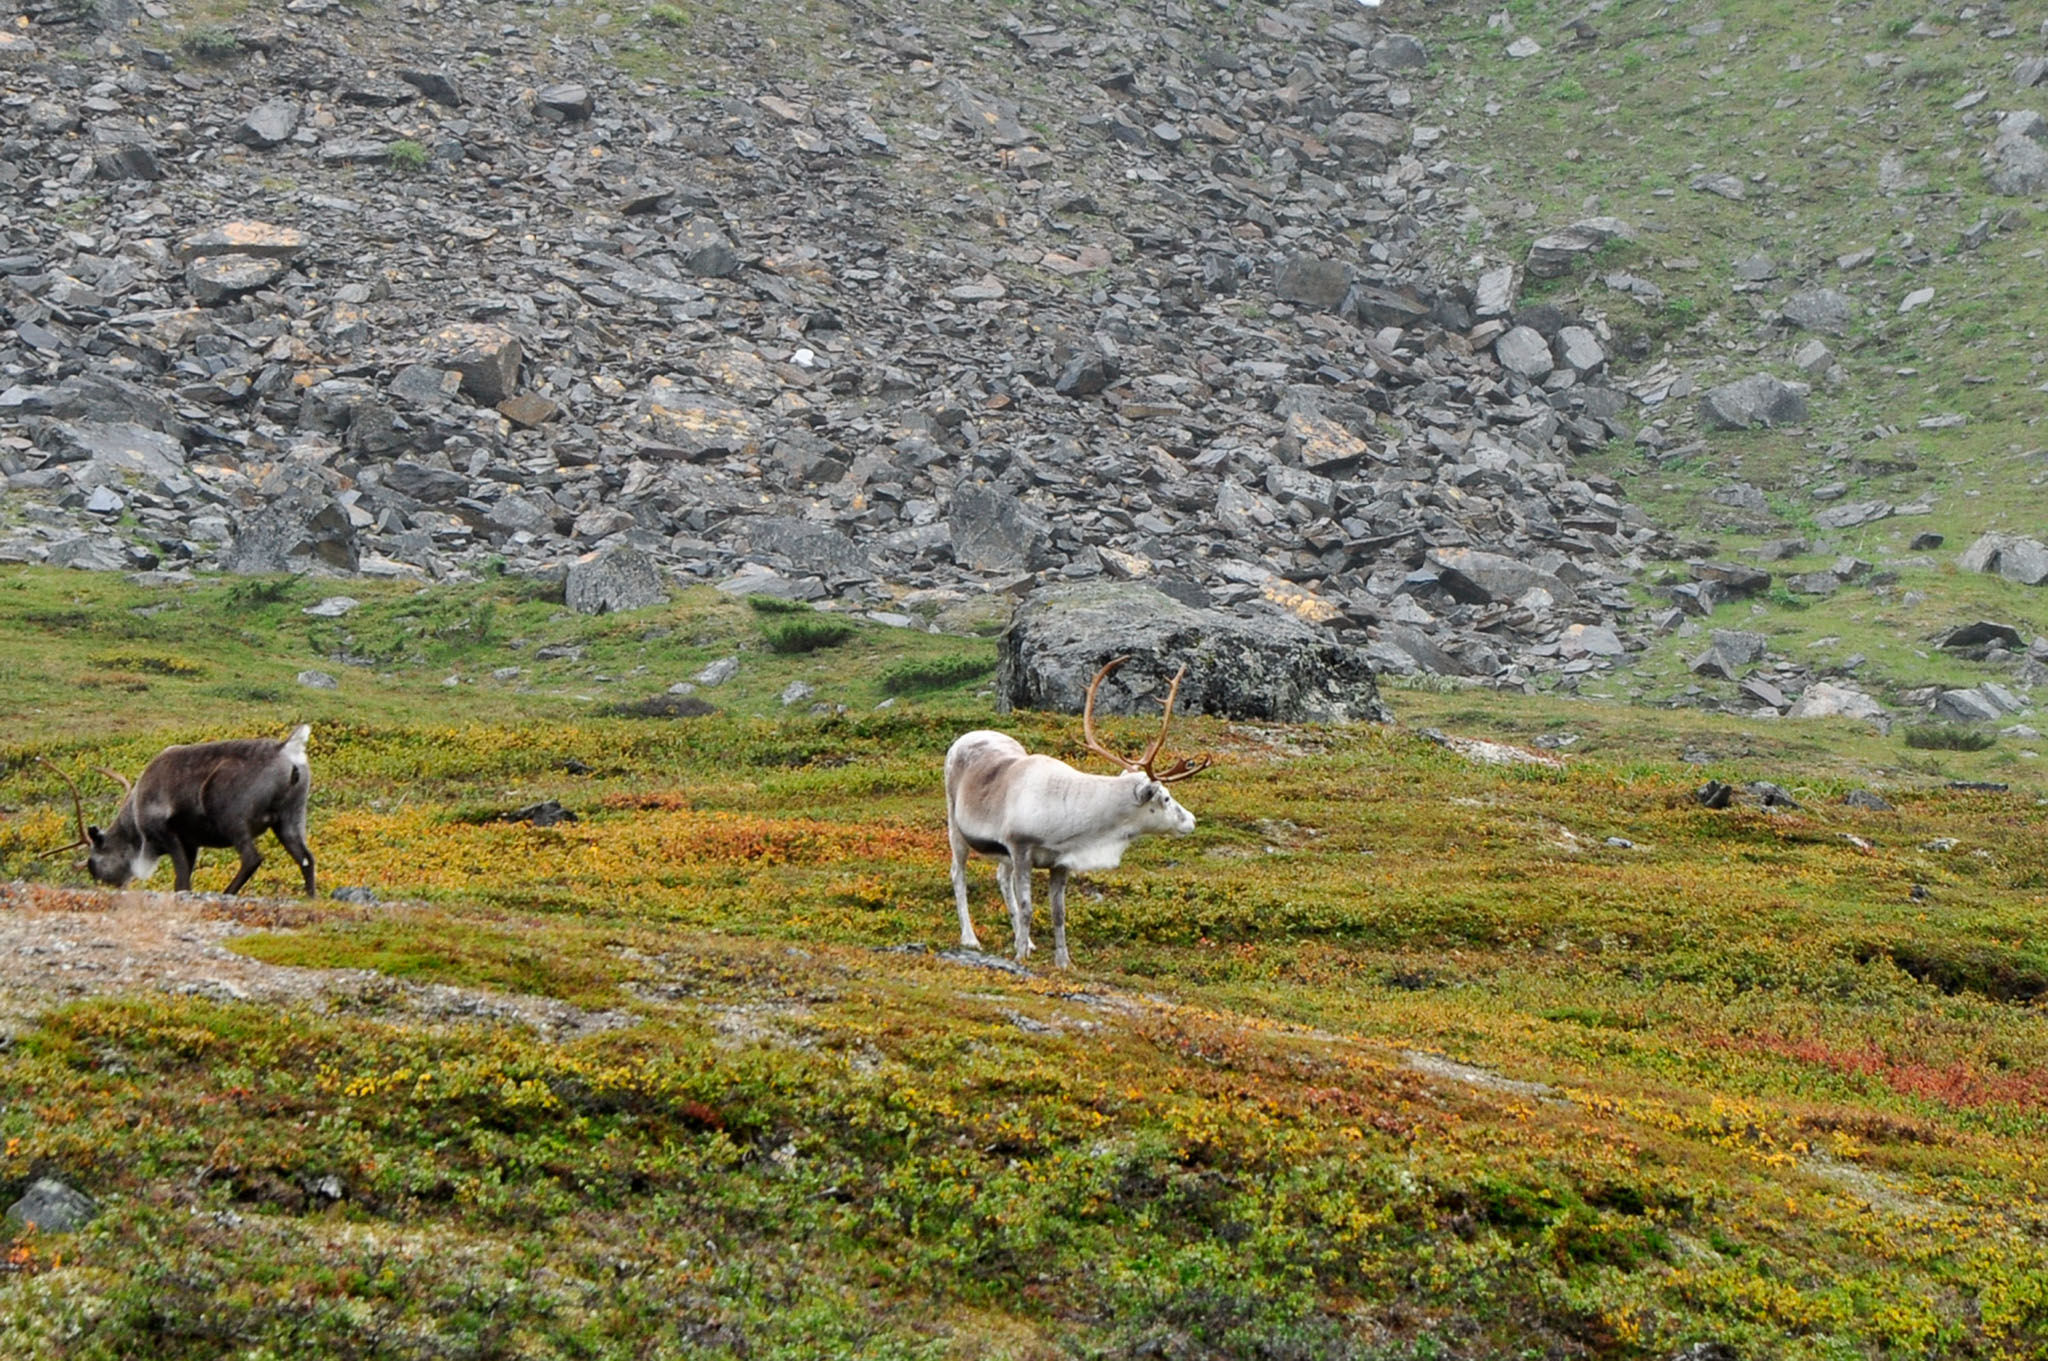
[
  {"x": 806, "y": 633},
  {"x": 934, "y": 673},
  {"x": 1947, "y": 737}
]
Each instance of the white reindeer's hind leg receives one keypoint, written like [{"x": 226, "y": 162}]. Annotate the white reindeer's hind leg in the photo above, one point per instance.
[
  {"x": 968, "y": 940},
  {"x": 1056, "y": 891}
]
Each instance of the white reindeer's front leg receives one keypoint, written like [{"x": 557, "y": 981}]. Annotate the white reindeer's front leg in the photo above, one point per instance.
[
  {"x": 1056, "y": 890},
  {"x": 1018, "y": 895},
  {"x": 968, "y": 940}
]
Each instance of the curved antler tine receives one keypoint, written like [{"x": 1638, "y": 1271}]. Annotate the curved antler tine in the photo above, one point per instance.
[
  {"x": 77, "y": 803},
  {"x": 117, "y": 777},
  {"x": 1088, "y": 737},
  {"x": 1152, "y": 752},
  {"x": 1183, "y": 768}
]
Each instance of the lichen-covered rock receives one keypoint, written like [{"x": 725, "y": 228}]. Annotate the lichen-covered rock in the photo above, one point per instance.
[
  {"x": 1273, "y": 667},
  {"x": 614, "y": 579}
]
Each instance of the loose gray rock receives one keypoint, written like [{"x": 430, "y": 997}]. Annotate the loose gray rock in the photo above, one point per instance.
[
  {"x": 1271, "y": 667},
  {"x": 1481, "y": 578},
  {"x": 993, "y": 532},
  {"x": 52, "y": 1207},
  {"x": 1524, "y": 351},
  {"x": 214, "y": 280},
  {"x": 1966, "y": 706},
  {"x": 269, "y": 124},
  {"x": 1819, "y": 309},
  {"x": 719, "y": 672},
  {"x": 612, "y": 580},
  {"x": 1746, "y": 403},
  {"x": 1318, "y": 283},
  {"x": 2011, "y": 556},
  {"x": 1827, "y": 700},
  {"x": 318, "y": 680},
  {"x": 810, "y": 547},
  {"x": 487, "y": 356}
]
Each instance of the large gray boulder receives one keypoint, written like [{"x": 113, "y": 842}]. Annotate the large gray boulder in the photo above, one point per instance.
[
  {"x": 614, "y": 579},
  {"x": 1271, "y": 667},
  {"x": 1756, "y": 400},
  {"x": 2012, "y": 556}
]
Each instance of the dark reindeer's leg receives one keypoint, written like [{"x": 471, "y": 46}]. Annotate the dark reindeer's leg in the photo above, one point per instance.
[
  {"x": 293, "y": 838},
  {"x": 182, "y": 859},
  {"x": 1057, "y": 892},
  {"x": 251, "y": 860}
]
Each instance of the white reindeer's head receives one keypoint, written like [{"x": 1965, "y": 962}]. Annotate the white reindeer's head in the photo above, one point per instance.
[{"x": 1159, "y": 810}]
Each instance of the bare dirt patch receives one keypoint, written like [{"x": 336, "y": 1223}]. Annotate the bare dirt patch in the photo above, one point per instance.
[{"x": 64, "y": 945}]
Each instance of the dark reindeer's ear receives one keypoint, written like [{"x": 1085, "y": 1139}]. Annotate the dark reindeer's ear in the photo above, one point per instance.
[{"x": 95, "y": 835}]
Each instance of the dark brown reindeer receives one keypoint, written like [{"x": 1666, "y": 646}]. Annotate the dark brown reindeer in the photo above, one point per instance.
[{"x": 206, "y": 794}]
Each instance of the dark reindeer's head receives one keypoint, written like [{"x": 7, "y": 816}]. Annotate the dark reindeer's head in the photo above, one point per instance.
[{"x": 116, "y": 854}]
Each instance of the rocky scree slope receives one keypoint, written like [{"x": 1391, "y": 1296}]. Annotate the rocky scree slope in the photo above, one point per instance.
[{"x": 891, "y": 306}]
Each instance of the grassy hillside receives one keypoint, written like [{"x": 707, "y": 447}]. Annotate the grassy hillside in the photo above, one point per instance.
[
  {"x": 1398, "y": 1055},
  {"x": 1857, "y": 133}
]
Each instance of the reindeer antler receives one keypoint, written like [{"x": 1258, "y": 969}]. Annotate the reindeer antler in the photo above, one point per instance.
[
  {"x": 77, "y": 806},
  {"x": 117, "y": 777},
  {"x": 1179, "y": 770}
]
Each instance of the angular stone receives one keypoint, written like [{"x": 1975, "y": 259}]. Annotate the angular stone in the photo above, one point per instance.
[
  {"x": 1481, "y": 578},
  {"x": 422, "y": 482},
  {"x": 1319, "y": 443},
  {"x": 516, "y": 514},
  {"x": 114, "y": 448},
  {"x": 1560, "y": 251},
  {"x": 1759, "y": 399},
  {"x": 1398, "y": 52},
  {"x": 1824, "y": 699},
  {"x": 262, "y": 240},
  {"x": 528, "y": 410},
  {"x": 695, "y": 423},
  {"x": 1983, "y": 633},
  {"x": 128, "y": 161},
  {"x": 1495, "y": 296},
  {"x": 1740, "y": 646},
  {"x": 612, "y": 580},
  {"x": 2011, "y": 556},
  {"x": 809, "y": 547},
  {"x": 217, "y": 279},
  {"x": 269, "y": 124},
  {"x": 1579, "y": 349},
  {"x": 1524, "y": 351},
  {"x": 1270, "y": 667},
  {"x": 705, "y": 250},
  {"x": 438, "y": 86},
  {"x": 1965, "y": 706},
  {"x": 279, "y": 539},
  {"x": 571, "y": 102},
  {"x": 487, "y": 356},
  {"x": 1819, "y": 309},
  {"x": 993, "y": 532},
  {"x": 1313, "y": 282},
  {"x": 1591, "y": 640},
  {"x": 1852, "y": 513}
]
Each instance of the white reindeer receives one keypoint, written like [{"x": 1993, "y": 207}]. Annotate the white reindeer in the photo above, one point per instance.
[{"x": 1036, "y": 812}]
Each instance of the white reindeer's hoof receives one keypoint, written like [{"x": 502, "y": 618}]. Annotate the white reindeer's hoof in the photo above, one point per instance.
[
  {"x": 970, "y": 943},
  {"x": 1060, "y": 960}
]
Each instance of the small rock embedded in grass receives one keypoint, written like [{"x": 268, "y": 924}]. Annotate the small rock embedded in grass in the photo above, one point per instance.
[
  {"x": 318, "y": 680},
  {"x": 333, "y": 607},
  {"x": 719, "y": 672},
  {"x": 355, "y": 893},
  {"x": 52, "y": 1207},
  {"x": 796, "y": 692}
]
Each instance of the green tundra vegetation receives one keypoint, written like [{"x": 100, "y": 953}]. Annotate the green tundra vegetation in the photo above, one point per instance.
[{"x": 1400, "y": 1054}]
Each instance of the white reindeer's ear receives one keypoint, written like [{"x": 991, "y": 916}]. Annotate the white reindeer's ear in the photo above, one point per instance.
[{"x": 1142, "y": 790}]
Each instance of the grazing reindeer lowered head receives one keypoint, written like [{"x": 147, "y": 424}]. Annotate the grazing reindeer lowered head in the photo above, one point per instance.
[
  {"x": 206, "y": 794},
  {"x": 1036, "y": 812}
]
